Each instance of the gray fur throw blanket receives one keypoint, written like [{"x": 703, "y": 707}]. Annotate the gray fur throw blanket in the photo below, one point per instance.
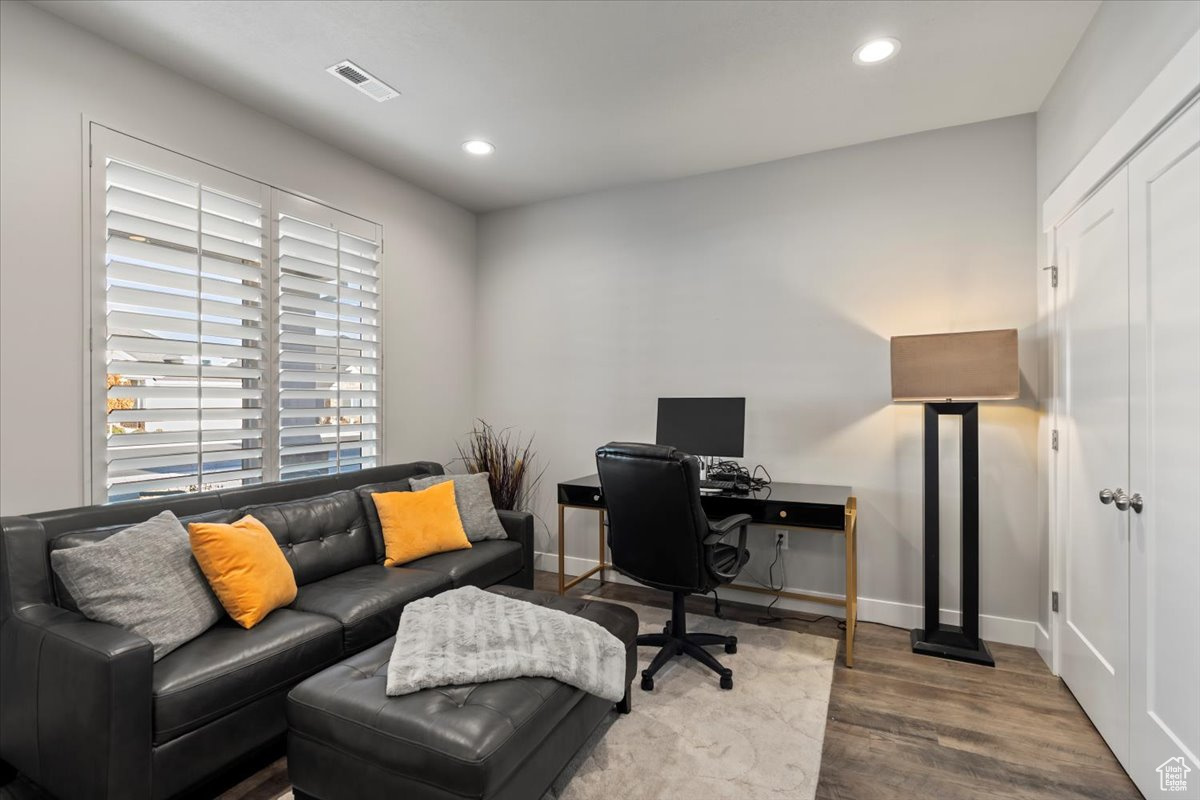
[{"x": 468, "y": 635}]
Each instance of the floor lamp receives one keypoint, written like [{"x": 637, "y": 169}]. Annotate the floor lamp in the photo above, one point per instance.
[{"x": 950, "y": 373}]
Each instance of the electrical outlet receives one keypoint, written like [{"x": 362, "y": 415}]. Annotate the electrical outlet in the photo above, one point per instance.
[{"x": 781, "y": 539}]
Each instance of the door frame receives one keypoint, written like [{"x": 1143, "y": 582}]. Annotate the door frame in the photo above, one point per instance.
[{"x": 1167, "y": 96}]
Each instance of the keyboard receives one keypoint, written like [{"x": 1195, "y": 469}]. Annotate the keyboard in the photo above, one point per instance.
[{"x": 724, "y": 486}]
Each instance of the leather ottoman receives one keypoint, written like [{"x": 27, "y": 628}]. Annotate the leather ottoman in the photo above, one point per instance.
[{"x": 505, "y": 740}]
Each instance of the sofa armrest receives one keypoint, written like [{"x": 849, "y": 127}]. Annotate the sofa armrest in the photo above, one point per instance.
[
  {"x": 76, "y": 700},
  {"x": 519, "y": 527}
]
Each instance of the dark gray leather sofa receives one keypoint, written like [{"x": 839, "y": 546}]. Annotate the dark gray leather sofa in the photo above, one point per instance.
[{"x": 86, "y": 713}]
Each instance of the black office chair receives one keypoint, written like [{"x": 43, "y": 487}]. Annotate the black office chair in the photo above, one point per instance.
[{"x": 660, "y": 537}]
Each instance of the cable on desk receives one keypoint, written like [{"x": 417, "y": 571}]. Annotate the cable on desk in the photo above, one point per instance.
[
  {"x": 754, "y": 475},
  {"x": 733, "y": 471}
]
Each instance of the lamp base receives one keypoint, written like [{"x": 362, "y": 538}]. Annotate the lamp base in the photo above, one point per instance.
[{"x": 949, "y": 642}]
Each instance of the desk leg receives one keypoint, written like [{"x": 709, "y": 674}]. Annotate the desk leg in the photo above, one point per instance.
[
  {"x": 562, "y": 550},
  {"x": 601, "y": 560},
  {"x": 851, "y": 527}
]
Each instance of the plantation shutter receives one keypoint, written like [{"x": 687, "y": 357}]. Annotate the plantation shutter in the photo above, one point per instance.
[
  {"x": 182, "y": 324},
  {"x": 327, "y": 278},
  {"x": 234, "y": 328}
]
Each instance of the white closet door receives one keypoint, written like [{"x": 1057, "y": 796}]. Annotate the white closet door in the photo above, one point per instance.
[
  {"x": 1093, "y": 262},
  {"x": 1164, "y": 247}
]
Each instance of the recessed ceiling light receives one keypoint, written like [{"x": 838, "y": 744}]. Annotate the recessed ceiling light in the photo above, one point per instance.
[
  {"x": 478, "y": 147},
  {"x": 876, "y": 51}
]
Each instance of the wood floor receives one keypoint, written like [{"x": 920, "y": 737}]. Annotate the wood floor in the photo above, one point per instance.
[
  {"x": 900, "y": 726},
  {"x": 904, "y": 726}
]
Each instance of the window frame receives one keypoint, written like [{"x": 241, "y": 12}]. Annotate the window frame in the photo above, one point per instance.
[{"x": 102, "y": 143}]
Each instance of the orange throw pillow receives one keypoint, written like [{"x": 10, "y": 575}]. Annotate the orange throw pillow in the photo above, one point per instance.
[
  {"x": 419, "y": 524},
  {"x": 245, "y": 567}
]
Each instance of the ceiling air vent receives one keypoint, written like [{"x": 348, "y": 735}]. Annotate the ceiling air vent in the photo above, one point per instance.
[{"x": 362, "y": 80}]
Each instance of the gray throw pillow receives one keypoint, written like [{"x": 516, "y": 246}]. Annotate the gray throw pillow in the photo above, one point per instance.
[
  {"x": 473, "y": 497},
  {"x": 143, "y": 579}
]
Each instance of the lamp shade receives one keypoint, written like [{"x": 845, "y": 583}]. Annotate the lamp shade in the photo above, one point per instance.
[{"x": 943, "y": 367}]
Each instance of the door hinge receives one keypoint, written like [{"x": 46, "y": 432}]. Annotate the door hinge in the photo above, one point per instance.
[
  {"x": 1054, "y": 602},
  {"x": 1054, "y": 440}
]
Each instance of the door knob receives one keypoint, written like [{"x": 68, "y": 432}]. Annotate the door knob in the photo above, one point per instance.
[
  {"x": 1120, "y": 499},
  {"x": 1136, "y": 503},
  {"x": 1106, "y": 496}
]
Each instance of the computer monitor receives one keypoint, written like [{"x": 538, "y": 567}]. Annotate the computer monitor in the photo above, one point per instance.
[{"x": 703, "y": 426}]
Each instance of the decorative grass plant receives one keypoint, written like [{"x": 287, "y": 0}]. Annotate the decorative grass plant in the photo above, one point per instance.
[{"x": 507, "y": 460}]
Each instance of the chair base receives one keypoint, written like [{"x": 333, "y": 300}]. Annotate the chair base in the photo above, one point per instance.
[{"x": 676, "y": 641}]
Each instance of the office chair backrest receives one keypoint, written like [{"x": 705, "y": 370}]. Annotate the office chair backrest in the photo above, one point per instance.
[{"x": 656, "y": 523}]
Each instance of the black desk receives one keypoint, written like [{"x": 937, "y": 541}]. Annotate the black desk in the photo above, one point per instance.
[{"x": 786, "y": 505}]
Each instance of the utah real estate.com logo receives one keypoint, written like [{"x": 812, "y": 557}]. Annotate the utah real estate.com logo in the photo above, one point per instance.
[{"x": 1172, "y": 775}]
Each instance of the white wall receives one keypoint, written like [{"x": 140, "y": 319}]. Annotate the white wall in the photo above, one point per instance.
[
  {"x": 51, "y": 74},
  {"x": 1126, "y": 45},
  {"x": 783, "y": 282}
]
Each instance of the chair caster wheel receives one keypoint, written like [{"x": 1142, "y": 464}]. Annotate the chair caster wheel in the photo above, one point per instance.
[
  {"x": 731, "y": 647},
  {"x": 667, "y": 629},
  {"x": 648, "y": 684},
  {"x": 726, "y": 681}
]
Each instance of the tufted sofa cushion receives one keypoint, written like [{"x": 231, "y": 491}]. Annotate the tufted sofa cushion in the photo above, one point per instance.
[
  {"x": 367, "y": 600},
  {"x": 486, "y": 563},
  {"x": 320, "y": 536},
  {"x": 466, "y": 740}
]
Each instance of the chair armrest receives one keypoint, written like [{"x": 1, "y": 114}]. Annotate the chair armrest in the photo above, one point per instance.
[
  {"x": 718, "y": 531},
  {"x": 519, "y": 527},
  {"x": 76, "y": 700},
  {"x": 721, "y": 528}
]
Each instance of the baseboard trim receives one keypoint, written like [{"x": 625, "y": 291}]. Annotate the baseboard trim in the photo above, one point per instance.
[
  {"x": 886, "y": 612},
  {"x": 1042, "y": 644}
]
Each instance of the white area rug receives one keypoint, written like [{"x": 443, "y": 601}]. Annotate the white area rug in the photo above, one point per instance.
[{"x": 690, "y": 739}]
